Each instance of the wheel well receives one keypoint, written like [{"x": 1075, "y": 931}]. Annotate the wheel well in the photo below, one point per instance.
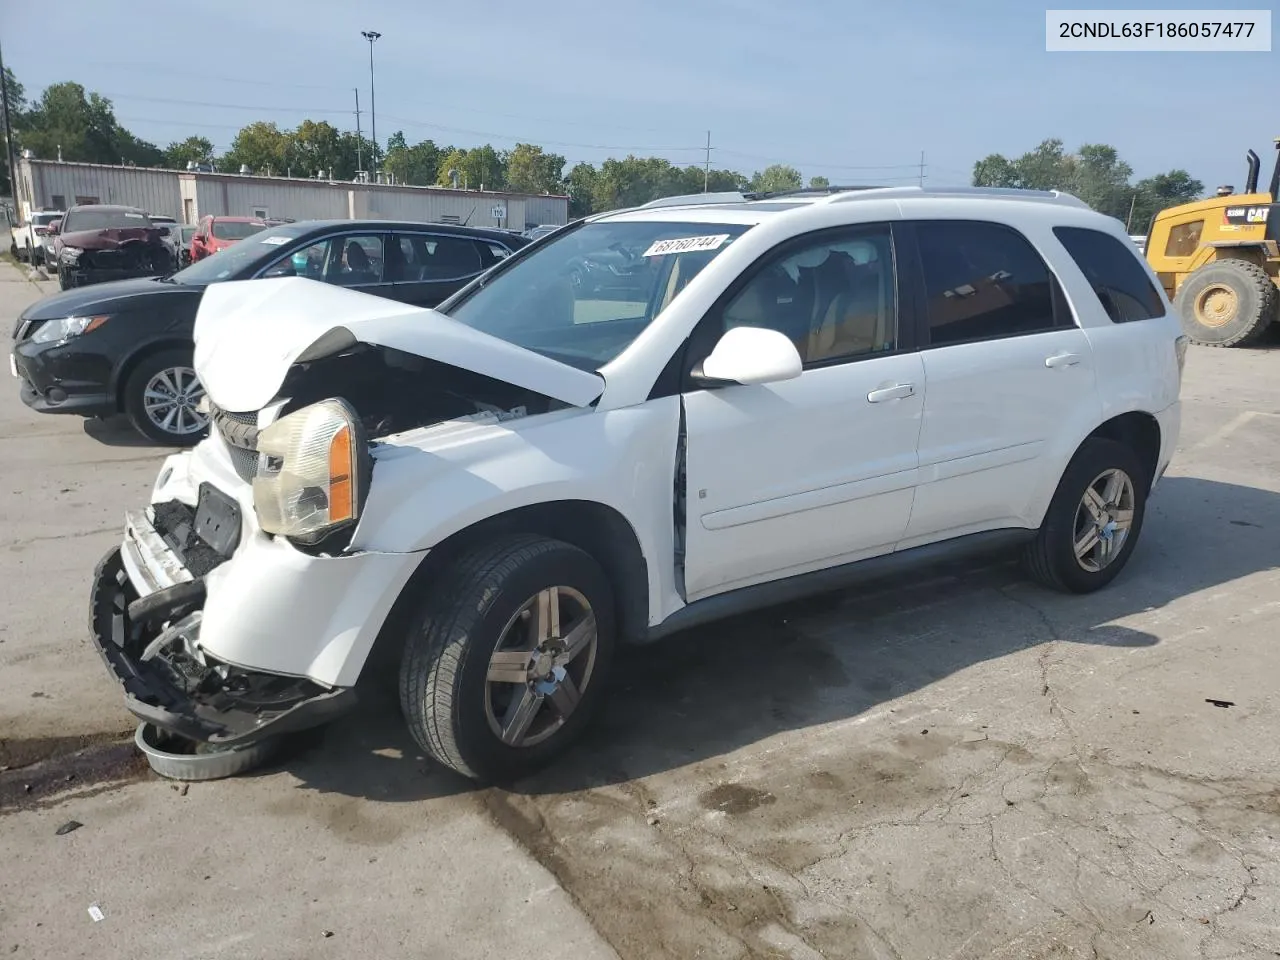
[
  {"x": 1140, "y": 432},
  {"x": 1251, "y": 253},
  {"x": 599, "y": 530},
  {"x": 131, "y": 364}
]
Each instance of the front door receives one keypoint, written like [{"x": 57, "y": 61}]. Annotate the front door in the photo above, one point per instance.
[
  {"x": 1007, "y": 370},
  {"x": 789, "y": 477}
]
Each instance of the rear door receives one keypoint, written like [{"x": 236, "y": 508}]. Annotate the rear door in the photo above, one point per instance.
[
  {"x": 426, "y": 268},
  {"x": 1006, "y": 371}
]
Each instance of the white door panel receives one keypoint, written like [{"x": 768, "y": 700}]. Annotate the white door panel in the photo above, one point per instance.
[
  {"x": 782, "y": 477},
  {"x": 993, "y": 411}
]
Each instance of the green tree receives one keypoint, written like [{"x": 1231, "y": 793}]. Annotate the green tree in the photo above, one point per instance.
[
  {"x": 819, "y": 183},
  {"x": 261, "y": 146},
  {"x": 530, "y": 170},
  {"x": 418, "y": 164},
  {"x": 477, "y": 167},
  {"x": 580, "y": 184},
  {"x": 995, "y": 171},
  {"x": 777, "y": 178},
  {"x": 315, "y": 149},
  {"x": 1047, "y": 167},
  {"x": 12, "y": 108},
  {"x": 197, "y": 149},
  {"x": 1101, "y": 179},
  {"x": 83, "y": 127}
]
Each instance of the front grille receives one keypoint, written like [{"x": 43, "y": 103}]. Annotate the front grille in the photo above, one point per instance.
[
  {"x": 239, "y": 431},
  {"x": 176, "y": 524}
]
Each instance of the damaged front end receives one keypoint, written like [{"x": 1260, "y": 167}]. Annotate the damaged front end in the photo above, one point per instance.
[
  {"x": 102, "y": 258},
  {"x": 150, "y": 643},
  {"x": 243, "y": 601}
]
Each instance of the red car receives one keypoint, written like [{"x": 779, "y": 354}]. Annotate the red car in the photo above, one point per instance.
[{"x": 218, "y": 233}]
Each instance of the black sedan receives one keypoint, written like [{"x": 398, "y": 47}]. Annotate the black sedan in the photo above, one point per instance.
[{"x": 126, "y": 346}]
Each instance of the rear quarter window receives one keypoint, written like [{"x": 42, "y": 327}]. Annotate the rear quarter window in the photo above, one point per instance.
[{"x": 1113, "y": 271}]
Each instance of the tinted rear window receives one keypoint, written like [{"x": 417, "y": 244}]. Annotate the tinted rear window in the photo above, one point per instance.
[{"x": 1113, "y": 270}]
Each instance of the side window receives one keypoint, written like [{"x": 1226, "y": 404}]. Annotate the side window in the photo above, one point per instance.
[
  {"x": 1112, "y": 269},
  {"x": 983, "y": 281},
  {"x": 1184, "y": 239},
  {"x": 427, "y": 258},
  {"x": 835, "y": 298},
  {"x": 309, "y": 262},
  {"x": 491, "y": 253},
  {"x": 355, "y": 260}
]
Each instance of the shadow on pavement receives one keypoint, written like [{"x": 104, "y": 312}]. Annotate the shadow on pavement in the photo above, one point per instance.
[
  {"x": 115, "y": 431},
  {"x": 718, "y": 688}
]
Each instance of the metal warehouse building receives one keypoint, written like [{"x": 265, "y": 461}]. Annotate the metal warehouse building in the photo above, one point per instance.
[{"x": 187, "y": 196}]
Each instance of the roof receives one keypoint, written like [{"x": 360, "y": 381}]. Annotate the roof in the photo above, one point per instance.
[
  {"x": 120, "y": 207},
  {"x": 747, "y": 208},
  {"x": 308, "y": 226}
]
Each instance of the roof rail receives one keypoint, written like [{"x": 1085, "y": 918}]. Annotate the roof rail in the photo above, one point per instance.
[
  {"x": 994, "y": 193},
  {"x": 694, "y": 199},
  {"x": 804, "y": 192}
]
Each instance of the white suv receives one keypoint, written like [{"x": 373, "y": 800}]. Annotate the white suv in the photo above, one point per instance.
[
  {"x": 28, "y": 241},
  {"x": 769, "y": 397}
]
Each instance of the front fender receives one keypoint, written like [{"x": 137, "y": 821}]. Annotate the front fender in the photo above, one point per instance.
[{"x": 429, "y": 484}]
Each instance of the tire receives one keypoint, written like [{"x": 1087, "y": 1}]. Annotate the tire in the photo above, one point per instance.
[
  {"x": 1051, "y": 557},
  {"x": 1228, "y": 303},
  {"x": 64, "y": 278},
  {"x": 148, "y": 415},
  {"x": 454, "y": 711}
]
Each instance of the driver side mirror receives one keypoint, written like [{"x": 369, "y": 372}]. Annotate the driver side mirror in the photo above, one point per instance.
[
  {"x": 55, "y": 228},
  {"x": 749, "y": 355}
]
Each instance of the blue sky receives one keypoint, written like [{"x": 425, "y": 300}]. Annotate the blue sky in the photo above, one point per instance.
[{"x": 851, "y": 90}]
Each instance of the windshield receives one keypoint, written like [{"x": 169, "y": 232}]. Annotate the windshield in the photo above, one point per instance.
[
  {"x": 585, "y": 296},
  {"x": 44, "y": 219},
  {"x": 236, "y": 229},
  {"x": 235, "y": 259},
  {"x": 91, "y": 219}
]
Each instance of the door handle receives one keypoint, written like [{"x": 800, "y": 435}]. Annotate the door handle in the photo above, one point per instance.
[
  {"x": 1062, "y": 360},
  {"x": 896, "y": 392}
]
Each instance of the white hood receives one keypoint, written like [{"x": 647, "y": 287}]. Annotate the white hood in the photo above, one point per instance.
[{"x": 248, "y": 333}]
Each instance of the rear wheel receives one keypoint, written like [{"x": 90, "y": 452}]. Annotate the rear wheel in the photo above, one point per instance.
[
  {"x": 1092, "y": 524},
  {"x": 161, "y": 398},
  {"x": 508, "y": 658},
  {"x": 1228, "y": 303}
]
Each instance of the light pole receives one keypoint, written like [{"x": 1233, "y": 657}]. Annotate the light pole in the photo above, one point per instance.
[{"x": 371, "y": 36}]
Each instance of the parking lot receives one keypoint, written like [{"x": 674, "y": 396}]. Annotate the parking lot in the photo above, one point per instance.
[{"x": 958, "y": 766}]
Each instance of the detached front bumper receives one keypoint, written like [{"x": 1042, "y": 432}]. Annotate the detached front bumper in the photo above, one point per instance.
[{"x": 168, "y": 680}]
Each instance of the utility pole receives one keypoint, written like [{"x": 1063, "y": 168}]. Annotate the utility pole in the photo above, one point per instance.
[
  {"x": 359, "y": 139},
  {"x": 371, "y": 36},
  {"x": 8, "y": 136},
  {"x": 706, "y": 174},
  {"x": 1129, "y": 220},
  {"x": 922, "y": 169}
]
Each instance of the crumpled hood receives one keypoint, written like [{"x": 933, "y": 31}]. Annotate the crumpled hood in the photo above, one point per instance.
[{"x": 248, "y": 334}]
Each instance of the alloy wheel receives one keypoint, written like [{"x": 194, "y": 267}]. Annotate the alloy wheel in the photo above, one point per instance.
[
  {"x": 542, "y": 664},
  {"x": 170, "y": 400},
  {"x": 1103, "y": 520}
]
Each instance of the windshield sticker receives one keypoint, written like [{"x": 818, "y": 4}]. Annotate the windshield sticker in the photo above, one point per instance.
[
  {"x": 135, "y": 216},
  {"x": 685, "y": 245},
  {"x": 274, "y": 241}
]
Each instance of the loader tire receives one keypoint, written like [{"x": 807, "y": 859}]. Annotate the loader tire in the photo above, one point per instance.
[{"x": 1228, "y": 303}]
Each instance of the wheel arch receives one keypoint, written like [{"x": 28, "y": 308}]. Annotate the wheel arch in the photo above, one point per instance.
[
  {"x": 596, "y": 528},
  {"x": 125, "y": 368},
  {"x": 1140, "y": 432}
]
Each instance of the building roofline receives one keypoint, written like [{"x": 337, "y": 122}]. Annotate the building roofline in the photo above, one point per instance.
[{"x": 312, "y": 181}]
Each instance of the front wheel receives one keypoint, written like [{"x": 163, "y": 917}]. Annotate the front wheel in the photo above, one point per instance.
[
  {"x": 161, "y": 399},
  {"x": 1092, "y": 524},
  {"x": 508, "y": 657}
]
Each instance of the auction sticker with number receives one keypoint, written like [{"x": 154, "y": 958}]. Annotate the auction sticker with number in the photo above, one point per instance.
[
  {"x": 274, "y": 241},
  {"x": 685, "y": 245}
]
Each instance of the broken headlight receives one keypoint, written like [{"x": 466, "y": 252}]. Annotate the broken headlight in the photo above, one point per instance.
[{"x": 312, "y": 472}]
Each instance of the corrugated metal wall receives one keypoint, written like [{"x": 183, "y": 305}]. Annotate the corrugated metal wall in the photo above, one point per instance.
[
  {"x": 258, "y": 196},
  {"x": 163, "y": 192},
  {"x": 56, "y": 184}
]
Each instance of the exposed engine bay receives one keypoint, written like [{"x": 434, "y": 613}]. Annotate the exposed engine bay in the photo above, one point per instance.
[{"x": 393, "y": 391}]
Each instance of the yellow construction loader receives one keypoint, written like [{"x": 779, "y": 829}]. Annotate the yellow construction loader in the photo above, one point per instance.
[{"x": 1219, "y": 260}]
